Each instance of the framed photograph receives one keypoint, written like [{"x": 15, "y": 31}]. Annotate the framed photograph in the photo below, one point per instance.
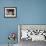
[
  {"x": 33, "y": 32},
  {"x": 10, "y": 12}
]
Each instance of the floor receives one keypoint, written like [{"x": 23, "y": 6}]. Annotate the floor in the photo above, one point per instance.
[
  {"x": 28, "y": 43},
  {"x": 7, "y": 45},
  {"x": 34, "y": 43}
]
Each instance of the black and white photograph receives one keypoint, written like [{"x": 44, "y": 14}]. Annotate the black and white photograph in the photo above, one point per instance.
[{"x": 10, "y": 12}]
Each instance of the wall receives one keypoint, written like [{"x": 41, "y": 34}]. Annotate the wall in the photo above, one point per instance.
[
  {"x": 33, "y": 12},
  {"x": 28, "y": 12}
]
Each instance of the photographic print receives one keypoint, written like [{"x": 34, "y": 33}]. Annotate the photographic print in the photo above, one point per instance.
[
  {"x": 10, "y": 12},
  {"x": 32, "y": 32}
]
